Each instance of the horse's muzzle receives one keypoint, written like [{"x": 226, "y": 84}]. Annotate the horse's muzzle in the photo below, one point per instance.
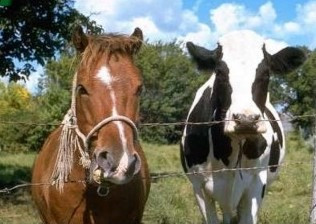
[{"x": 105, "y": 169}]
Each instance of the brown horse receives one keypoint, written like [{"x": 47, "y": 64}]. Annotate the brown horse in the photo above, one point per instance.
[{"x": 94, "y": 161}]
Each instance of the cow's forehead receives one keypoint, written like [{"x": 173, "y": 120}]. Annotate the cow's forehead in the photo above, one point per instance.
[{"x": 242, "y": 51}]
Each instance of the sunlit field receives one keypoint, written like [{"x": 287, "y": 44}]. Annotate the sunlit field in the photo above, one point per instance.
[{"x": 171, "y": 200}]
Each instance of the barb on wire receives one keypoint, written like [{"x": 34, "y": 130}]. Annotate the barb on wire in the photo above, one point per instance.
[
  {"x": 181, "y": 123},
  {"x": 157, "y": 176}
]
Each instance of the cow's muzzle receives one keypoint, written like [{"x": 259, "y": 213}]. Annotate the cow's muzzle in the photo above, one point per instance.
[{"x": 242, "y": 124}]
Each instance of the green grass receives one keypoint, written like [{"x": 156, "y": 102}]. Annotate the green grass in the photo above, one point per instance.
[{"x": 171, "y": 200}]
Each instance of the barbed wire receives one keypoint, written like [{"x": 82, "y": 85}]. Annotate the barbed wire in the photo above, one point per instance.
[
  {"x": 154, "y": 177},
  {"x": 181, "y": 123}
]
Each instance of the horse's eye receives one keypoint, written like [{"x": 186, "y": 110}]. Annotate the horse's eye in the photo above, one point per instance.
[
  {"x": 81, "y": 90},
  {"x": 139, "y": 90}
]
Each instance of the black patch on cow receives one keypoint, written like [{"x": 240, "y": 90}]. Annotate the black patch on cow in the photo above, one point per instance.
[
  {"x": 263, "y": 191},
  {"x": 286, "y": 60},
  {"x": 205, "y": 59},
  {"x": 221, "y": 99},
  {"x": 275, "y": 126},
  {"x": 221, "y": 143},
  {"x": 260, "y": 85},
  {"x": 196, "y": 144},
  {"x": 274, "y": 155},
  {"x": 210, "y": 108},
  {"x": 253, "y": 148}
]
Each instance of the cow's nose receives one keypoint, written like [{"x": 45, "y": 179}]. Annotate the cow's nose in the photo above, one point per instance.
[
  {"x": 246, "y": 123},
  {"x": 242, "y": 118}
]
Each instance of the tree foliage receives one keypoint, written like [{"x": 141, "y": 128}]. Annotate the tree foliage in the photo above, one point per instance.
[
  {"x": 35, "y": 31},
  {"x": 170, "y": 81},
  {"x": 16, "y": 104},
  {"x": 296, "y": 93}
]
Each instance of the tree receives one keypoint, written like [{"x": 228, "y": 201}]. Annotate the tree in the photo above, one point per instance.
[
  {"x": 16, "y": 104},
  {"x": 296, "y": 93},
  {"x": 35, "y": 31},
  {"x": 170, "y": 81},
  {"x": 53, "y": 100}
]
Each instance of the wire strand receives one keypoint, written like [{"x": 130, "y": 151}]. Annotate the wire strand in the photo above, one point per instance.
[
  {"x": 161, "y": 175},
  {"x": 153, "y": 124}
]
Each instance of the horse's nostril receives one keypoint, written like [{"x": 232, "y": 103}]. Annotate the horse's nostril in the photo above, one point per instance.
[
  {"x": 136, "y": 164},
  {"x": 104, "y": 160},
  {"x": 103, "y": 154}
]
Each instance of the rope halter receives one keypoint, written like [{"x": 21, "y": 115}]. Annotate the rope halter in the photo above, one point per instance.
[{"x": 69, "y": 141}]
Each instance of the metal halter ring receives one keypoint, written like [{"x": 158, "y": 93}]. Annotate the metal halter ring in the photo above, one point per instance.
[{"x": 103, "y": 191}]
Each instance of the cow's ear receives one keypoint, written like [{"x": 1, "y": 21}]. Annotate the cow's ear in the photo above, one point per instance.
[
  {"x": 286, "y": 60},
  {"x": 79, "y": 39},
  {"x": 205, "y": 59}
]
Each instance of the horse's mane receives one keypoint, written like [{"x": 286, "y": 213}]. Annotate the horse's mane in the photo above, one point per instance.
[{"x": 108, "y": 44}]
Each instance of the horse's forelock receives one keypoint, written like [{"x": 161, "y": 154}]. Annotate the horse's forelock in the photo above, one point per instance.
[{"x": 101, "y": 46}]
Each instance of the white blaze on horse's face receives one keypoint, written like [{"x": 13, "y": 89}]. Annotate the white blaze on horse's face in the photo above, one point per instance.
[
  {"x": 104, "y": 76},
  {"x": 118, "y": 176},
  {"x": 242, "y": 59}
]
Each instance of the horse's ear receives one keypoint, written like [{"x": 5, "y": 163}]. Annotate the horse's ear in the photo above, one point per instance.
[
  {"x": 79, "y": 39},
  {"x": 138, "y": 33}
]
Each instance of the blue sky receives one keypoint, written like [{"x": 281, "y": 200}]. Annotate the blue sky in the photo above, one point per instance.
[
  {"x": 281, "y": 22},
  {"x": 204, "y": 21}
]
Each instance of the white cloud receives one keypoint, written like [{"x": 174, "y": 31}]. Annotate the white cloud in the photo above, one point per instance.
[
  {"x": 306, "y": 18},
  {"x": 273, "y": 46},
  {"x": 292, "y": 27},
  {"x": 267, "y": 13},
  {"x": 168, "y": 20},
  {"x": 307, "y": 13},
  {"x": 227, "y": 16},
  {"x": 203, "y": 36},
  {"x": 230, "y": 16}
]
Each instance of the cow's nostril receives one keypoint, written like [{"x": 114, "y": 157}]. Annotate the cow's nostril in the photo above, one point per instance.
[
  {"x": 256, "y": 117},
  {"x": 236, "y": 118}
]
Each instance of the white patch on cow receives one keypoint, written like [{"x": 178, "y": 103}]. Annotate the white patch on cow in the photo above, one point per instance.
[
  {"x": 254, "y": 209},
  {"x": 105, "y": 77},
  {"x": 242, "y": 52}
]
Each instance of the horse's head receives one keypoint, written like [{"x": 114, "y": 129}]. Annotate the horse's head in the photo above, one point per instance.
[{"x": 108, "y": 86}]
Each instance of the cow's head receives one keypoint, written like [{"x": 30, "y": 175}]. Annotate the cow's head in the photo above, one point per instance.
[{"x": 242, "y": 70}]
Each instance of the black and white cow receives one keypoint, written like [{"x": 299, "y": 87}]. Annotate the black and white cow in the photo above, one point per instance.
[{"x": 237, "y": 94}]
